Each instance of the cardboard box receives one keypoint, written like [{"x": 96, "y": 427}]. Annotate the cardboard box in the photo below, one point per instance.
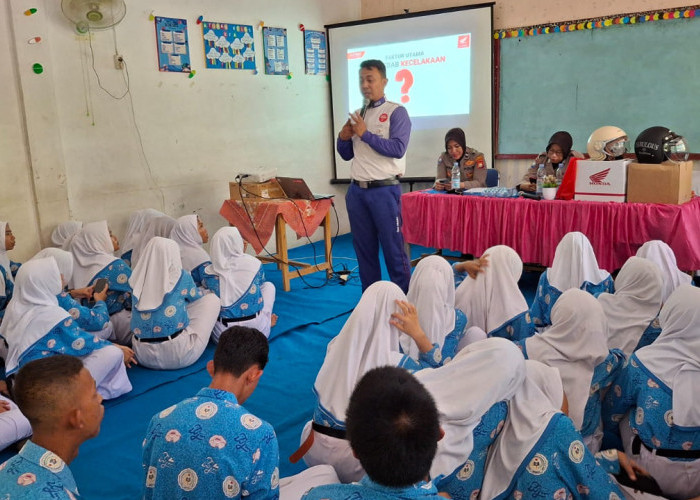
[
  {"x": 666, "y": 182},
  {"x": 253, "y": 190},
  {"x": 601, "y": 180}
]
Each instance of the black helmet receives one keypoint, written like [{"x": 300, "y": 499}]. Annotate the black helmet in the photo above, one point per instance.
[{"x": 657, "y": 144}]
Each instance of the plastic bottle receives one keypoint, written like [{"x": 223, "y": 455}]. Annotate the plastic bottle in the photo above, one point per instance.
[
  {"x": 559, "y": 175},
  {"x": 455, "y": 184},
  {"x": 541, "y": 172}
]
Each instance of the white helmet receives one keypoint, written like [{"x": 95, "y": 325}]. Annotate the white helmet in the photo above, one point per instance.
[{"x": 607, "y": 143}]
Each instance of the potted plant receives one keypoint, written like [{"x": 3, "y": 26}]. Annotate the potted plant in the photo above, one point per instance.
[{"x": 549, "y": 187}]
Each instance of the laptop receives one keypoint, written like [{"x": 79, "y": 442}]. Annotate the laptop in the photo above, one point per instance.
[{"x": 296, "y": 189}]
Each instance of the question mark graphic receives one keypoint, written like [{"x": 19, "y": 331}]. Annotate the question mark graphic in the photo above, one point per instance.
[{"x": 407, "y": 77}]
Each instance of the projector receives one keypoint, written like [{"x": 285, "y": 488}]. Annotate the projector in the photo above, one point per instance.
[{"x": 259, "y": 174}]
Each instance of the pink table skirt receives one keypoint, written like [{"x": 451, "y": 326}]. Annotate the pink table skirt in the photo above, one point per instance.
[{"x": 471, "y": 224}]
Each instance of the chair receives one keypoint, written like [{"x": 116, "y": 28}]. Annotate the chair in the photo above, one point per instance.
[{"x": 492, "y": 177}]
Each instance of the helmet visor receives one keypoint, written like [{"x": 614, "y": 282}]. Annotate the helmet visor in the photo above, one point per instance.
[{"x": 676, "y": 149}]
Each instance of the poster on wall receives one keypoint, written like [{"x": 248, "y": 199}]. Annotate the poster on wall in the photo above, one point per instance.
[
  {"x": 173, "y": 46},
  {"x": 315, "y": 52},
  {"x": 275, "y": 47},
  {"x": 228, "y": 46}
]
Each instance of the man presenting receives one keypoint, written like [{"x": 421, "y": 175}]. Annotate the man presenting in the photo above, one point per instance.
[{"x": 375, "y": 139}]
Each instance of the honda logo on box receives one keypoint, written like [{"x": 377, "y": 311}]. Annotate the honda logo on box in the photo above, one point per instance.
[{"x": 598, "y": 179}]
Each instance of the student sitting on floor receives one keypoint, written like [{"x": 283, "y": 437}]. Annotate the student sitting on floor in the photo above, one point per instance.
[
  {"x": 369, "y": 338},
  {"x": 540, "y": 450},
  {"x": 238, "y": 278},
  {"x": 134, "y": 231},
  {"x": 492, "y": 301},
  {"x": 190, "y": 234},
  {"x": 93, "y": 319},
  {"x": 577, "y": 345},
  {"x": 635, "y": 305},
  {"x": 393, "y": 429},
  {"x": 472, "y": 393},
  {"x": 574, "y": 266},
  {"x": 35, "y": 326},
  {"x": 8, "y": 269},
  {"x": 171, "y": 320},
  {"x": 59, "y": 397},
  {"x": 93, "y": 250},
  {"x": 215, "y": 447},
  {"x": 63, "y": 234}
]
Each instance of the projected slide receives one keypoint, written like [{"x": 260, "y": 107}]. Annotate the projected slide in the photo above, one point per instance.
[{"x": 430, "y": 77}]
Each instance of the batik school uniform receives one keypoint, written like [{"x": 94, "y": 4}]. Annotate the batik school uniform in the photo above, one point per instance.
[
  {"x": 366, "y": 341},
  {"x": 651, "y": 333},
  {"x": 574, "y": 266},
  {"x": 37, "y": 473},
  {"x": 539, "y": 453},
  {"x": 171, "y": 319},
  {"x": 367, "y": 489},
  {"x": 634, "y": 305},
  {"x": 432, "y": 291},
  {"x": 472, "y": 168},
  {"x": 13, "y": 425},
  {"x": 493, "y": 371},
  {"x": 194, "y": 258},
  {"x": 492, "y": 301},
  {"x": 651, "y": 411},
  {"x": 90, "y": 319},
  {"x": 603, "y": 377},
  {"x": 36, "y": 327}
]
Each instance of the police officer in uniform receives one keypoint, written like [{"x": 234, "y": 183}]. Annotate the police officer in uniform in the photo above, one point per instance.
[
  {"x": 472, "y": 164},
  {"x": 375, "y": 138}
]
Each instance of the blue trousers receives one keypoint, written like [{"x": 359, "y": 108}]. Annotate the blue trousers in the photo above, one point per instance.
[{"x": 375, "y": 217}]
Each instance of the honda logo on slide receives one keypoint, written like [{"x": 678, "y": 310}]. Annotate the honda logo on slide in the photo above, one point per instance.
[{"x": 598, "y": 179}]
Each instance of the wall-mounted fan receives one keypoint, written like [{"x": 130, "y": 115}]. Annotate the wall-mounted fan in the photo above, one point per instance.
[{"x": 90, "y": 15}]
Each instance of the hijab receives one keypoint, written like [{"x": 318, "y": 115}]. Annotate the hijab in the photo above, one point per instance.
[
  {"x": 674, "y": 356},
  {"x": 156, "y": 274},
  {"x": 479, "y": 376},
  {"x": 538, "y": 399},
  {"x": 185, "y": 233},
  {"x": 457, "y": 135},
  {"x": 432, "y": 291},
  {"x": 575, "y": 344},
  {"x": 366, "y": 341},
  {"x": 64, "y": 261},
  {"x": 574, "y": 263},
  {"x": 235, "y": 268},
  {"x": 563, "y": 140},
  {"x": 64, "y": 233},
  {"x": 155, "y": 226},
  {"x": 135, "y": 227},
  {"x": 662, "y": 255},
  {"x": 33, "y": 310},
  {"x": 493, "y": 297},
  {"x": 92, "y": 250},
  {"x": 635, "y": 303}
]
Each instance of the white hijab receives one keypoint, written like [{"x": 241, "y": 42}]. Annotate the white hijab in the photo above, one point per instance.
[
  {"x": 4, "y": 259},
  {"x": 464, "y": 389},
  {"x": 575, "y": 344},
  {"x": 64, "y": 233},
  {"x": 155, "y": 226},
  {"x": 136, "y": 225},
  {"x": 33, "y": 310},
  {"x": 493, "y": 297},
  {"x": 366, "y": 341},
  {"x": 539, "y": 398},
  {"x": 662, "y": 255},
  {"x": 156, "y": 274},
  {"x": 432, "y": 291},
  {"x": 674, "y": 356},
  {"x": 574, "y": 262},
  {"x": 64, "y": 260},
  {"x": 635, "y": 303},
  {"x": 235, "y": 268},
  {"x": 92, "y": 250},
  {"x": 185, "y": 233}
]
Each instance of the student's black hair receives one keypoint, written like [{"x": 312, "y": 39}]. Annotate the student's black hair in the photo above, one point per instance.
[
  {"x": 43, "y": 385},
  {"x": 374, "y": 63},
  {"x": 240, "y": 348},
  {"x": 393, "y": 427}
]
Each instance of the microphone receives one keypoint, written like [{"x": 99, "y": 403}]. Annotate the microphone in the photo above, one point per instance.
[{"x": 365, "y": 104}]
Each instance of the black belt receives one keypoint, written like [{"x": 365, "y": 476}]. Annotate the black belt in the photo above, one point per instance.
[
  {"x": 391, "y": 181},
  {"x": 638, "y": 443},
  {"x": 228, "y": 321},
  {"x": 159, "y": 339},
  {"x": 327, "y": 431}
]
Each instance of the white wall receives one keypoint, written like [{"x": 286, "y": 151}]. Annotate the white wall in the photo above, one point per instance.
[{"x": 196, "y": 133}]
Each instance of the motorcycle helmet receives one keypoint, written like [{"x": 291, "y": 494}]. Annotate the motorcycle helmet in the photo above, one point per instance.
[
  {"x": 657, "y": 144},
  {"x": 607, "y": 143}
]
